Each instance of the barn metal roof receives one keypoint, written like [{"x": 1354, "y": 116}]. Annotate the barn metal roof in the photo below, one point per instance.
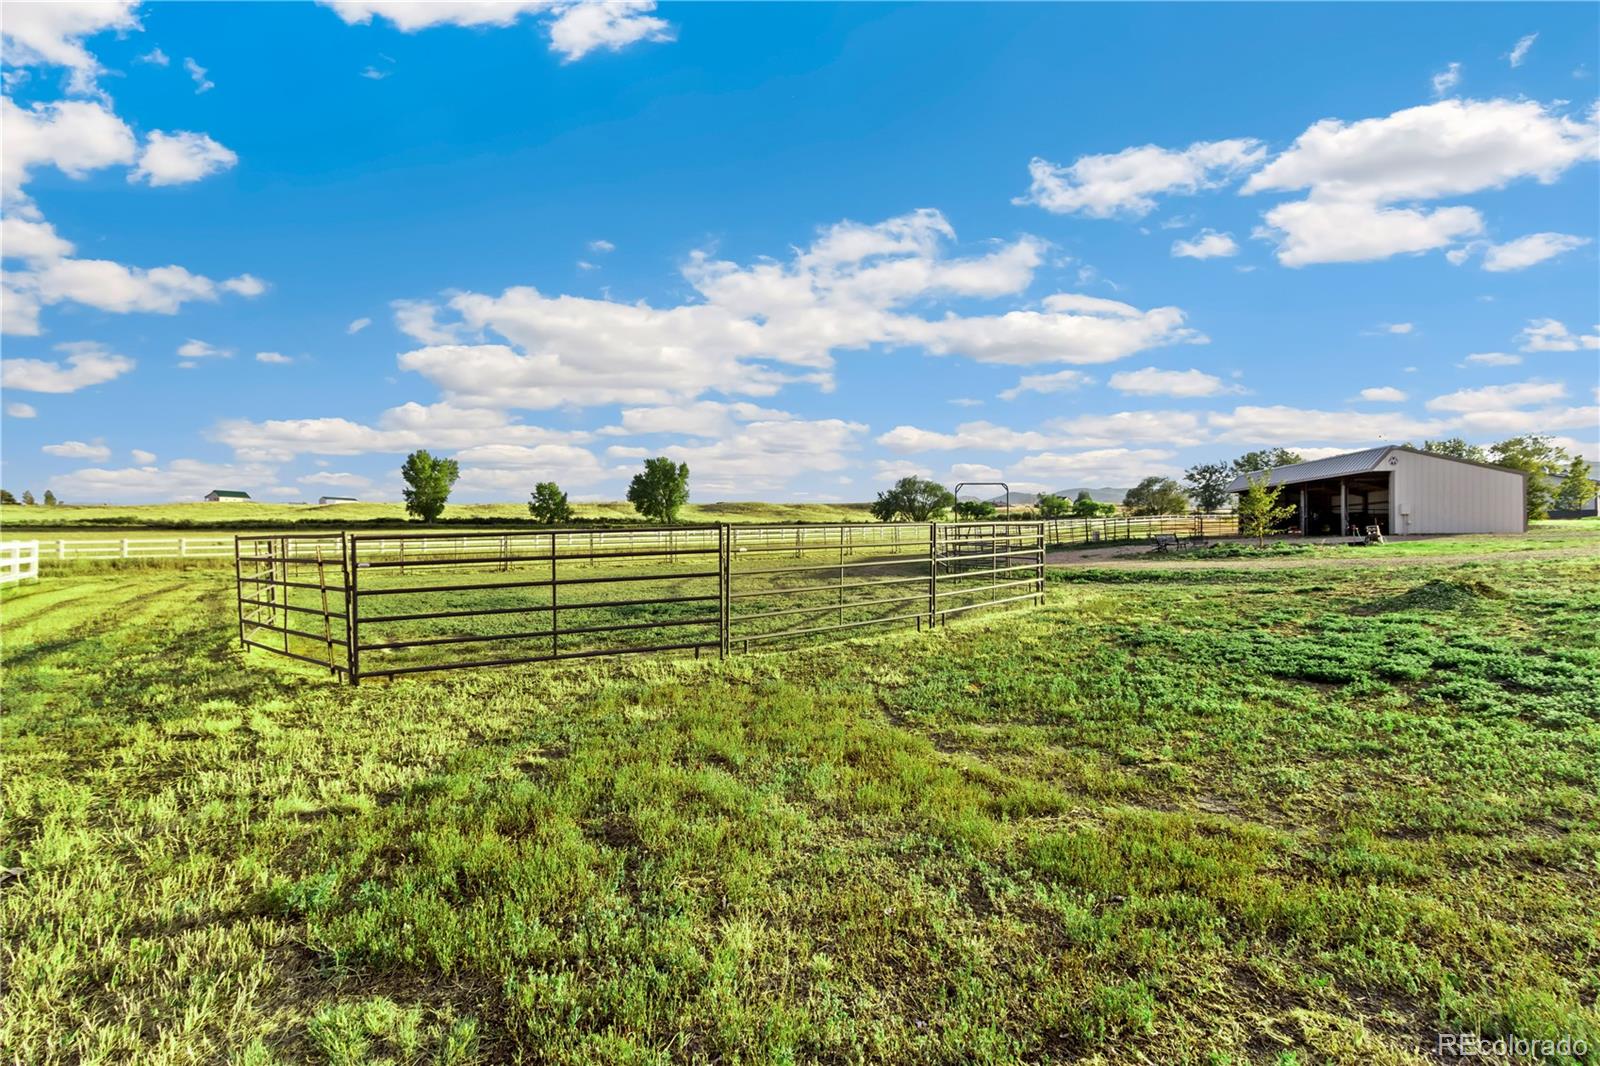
[{"x": 1333, "y": 466}]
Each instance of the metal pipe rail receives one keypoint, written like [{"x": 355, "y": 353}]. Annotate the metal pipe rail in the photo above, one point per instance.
[{"x": 862, "y": 576}]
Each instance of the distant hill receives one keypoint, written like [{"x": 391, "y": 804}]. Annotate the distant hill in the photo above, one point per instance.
[
  {"x": 1028, "y": 499},
  {"x": 1098, "y": 495}
]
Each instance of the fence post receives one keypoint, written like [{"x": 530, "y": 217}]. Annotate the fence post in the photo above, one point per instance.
[
  {"x": 842, "y": 532},
  {"x": 283, "y": 552},
  {"x": 61, "y": 550},
  {"x": 238, "y": 588},
  {"x": 933, "y": 573},
  {"x": 724, "y": 587},
  {"x": 327, "y": 623},
  {"x": 555, "y": 625},
  {"x": 124, "y": 547},
  {"x": 1041, "y": 547},
  {"x": 353, "y": 607}
]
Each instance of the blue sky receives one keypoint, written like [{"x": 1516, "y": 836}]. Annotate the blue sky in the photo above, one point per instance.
[{"x": 805, "y": 248}]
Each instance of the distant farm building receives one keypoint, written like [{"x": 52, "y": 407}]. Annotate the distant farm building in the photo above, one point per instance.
[
  {"x": 325, "y": 500},
  {"x": 1400, "y": 490},
  {"x": 227, "y": 496},
  {"x": 1588, "y": 507}
]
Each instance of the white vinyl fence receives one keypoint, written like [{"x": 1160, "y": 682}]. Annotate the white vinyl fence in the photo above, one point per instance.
[
  {"x": 138, "y": 548},
  {"x": 894, "y": 537},
  {"x": 19, "y": 561}
]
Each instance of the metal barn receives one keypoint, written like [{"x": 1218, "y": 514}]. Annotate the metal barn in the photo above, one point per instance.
[{"x": 1402, "y": 491}]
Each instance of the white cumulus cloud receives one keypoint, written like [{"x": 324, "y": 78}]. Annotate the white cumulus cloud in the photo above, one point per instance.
[
  {"x": 1529, "y": 251},
  {"x": 179, "y": 158},
  {"x": 1447, "y": 79},
  {"x": 756, "y": 328},
  {"x": 74, "y": 136},
  {"x": 1549, "y": 335},
  {"x": 1207, "y": 244},
  {"x": 1519, "y": 51},
  {"x": 87, "y": 363},
  {"x": 1153, "y": 382},
  {"x": 1366, "y": 179},
  {"x": 51, "y": 34},
  {"x": 1128, "y": 182},
  {"x": 77, "y": 449},
  {"x": 576, "y": 27},
  {"x": 198, "y": 349}
]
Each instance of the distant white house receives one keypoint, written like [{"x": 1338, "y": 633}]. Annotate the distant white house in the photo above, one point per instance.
[
  {"x": 325, "y": 500},
  {"x": 227, "y": 496},
  {"x": 1400, "y": 490}
]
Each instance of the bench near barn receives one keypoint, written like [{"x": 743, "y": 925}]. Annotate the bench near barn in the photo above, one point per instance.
[{"x": 1166, "y": 542}]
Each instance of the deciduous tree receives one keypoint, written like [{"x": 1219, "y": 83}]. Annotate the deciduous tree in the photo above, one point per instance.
[
  {"x": 1156, "y": 495},
  {"x": 660, "y": 490},
  {"x": 975, "y": 510},
  {"x": 549, "y": 504},
  {"x": 913, "y": 499},
  {"x": 1086, "y": 506},
  {"x": 1456, "y": 448},
  {"x": 1577, "y": 485},
  {"x": 1208, "y": 483},
  {"x": 1265, "y": 459},
  {"x": 1260, "y": 513},
  {"x": 428, "y": 483},
  {"x": 1053, "y": 506},
  {"x": 1535, "y": 455}
]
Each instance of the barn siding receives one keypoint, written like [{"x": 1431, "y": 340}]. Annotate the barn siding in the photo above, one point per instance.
[{"x": 1443, "y": 496}]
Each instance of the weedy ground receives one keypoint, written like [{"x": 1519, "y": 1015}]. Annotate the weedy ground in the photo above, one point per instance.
[{"x": 1287, "y": 816}]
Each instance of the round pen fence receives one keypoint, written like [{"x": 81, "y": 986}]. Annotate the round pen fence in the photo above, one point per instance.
[{"x": 385, "y": 605}]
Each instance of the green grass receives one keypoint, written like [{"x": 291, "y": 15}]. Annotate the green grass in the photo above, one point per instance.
[
  {"x": 101, "y": 519},
  {"x": 1173, "y": 816},
  {"x": 1541, "y": 536}
]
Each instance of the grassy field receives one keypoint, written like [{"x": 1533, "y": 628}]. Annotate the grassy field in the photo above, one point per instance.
[
  {"x": 1284, "y": 817},
  {"x": 257, "y": 516}
]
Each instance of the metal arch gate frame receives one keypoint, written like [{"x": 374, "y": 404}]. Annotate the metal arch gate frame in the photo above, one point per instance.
[
  {"x": 280, "y": 554},
  {"x": 956, "y": 492}
]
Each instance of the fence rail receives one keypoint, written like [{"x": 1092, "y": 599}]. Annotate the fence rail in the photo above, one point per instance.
[
  {"x": 1060, "y": 532},
  {"x": 381, "y": 605},
  {"x": 793, "y": 538},
  {"x": 19, "y": 561}
]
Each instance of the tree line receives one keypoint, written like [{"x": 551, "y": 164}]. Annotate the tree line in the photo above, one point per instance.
[
  {"x": 27, "y": 499},
  {"x": 658, "y": 492},
  {"x": 1557, "y": 480}
]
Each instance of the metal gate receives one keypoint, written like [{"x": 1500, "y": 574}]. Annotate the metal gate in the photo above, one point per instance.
[
  {"x": 383, "y": 605},
  {"x": 293, "y": 593},
  {"x": 425, "y": 602},
  {"x": 842, "y": 577}
]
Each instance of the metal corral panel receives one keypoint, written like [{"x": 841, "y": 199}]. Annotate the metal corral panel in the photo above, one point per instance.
[{"x": 1439, "y": 495}]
